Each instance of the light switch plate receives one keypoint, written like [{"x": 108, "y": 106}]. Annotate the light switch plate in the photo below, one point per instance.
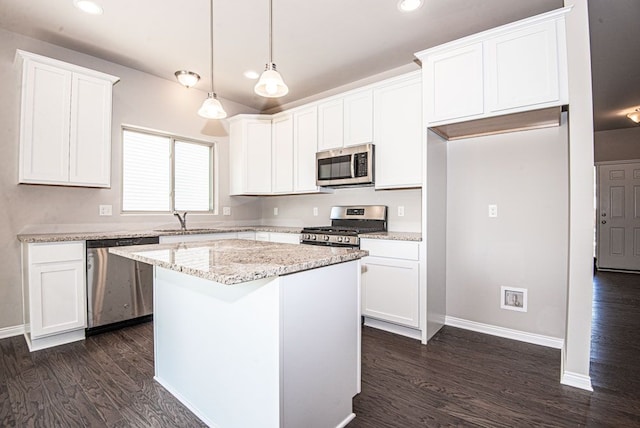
[
  {"x": 401, "y": 211},
  {"x": 226, "y": 210},
  {"x": 275, "y": 210},
  {"x": 315, "y": 211},
  {"x": 106, "y": 210},
  {"x": 493, "y": 211}
]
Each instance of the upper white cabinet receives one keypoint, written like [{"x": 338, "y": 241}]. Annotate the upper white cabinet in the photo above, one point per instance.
[
  {"x": 250, "y": 155},
  {"x": 65, "y": 123},
  {"x": 305, "y": 146},
  {"x": 398, "y": 132},
  {"x": 282, "y": 153},
  {"x": 346, "y": 120},
  {"x": 513, "y": 68},
  {"x": 330, "y": 124},
  {"x": 358, "y": 118}
]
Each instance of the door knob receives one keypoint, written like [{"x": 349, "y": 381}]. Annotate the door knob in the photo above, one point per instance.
[{"x": 604, "y": 221}]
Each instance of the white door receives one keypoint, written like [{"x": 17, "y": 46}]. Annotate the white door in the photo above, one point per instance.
[{"x": 619, "y": 216}]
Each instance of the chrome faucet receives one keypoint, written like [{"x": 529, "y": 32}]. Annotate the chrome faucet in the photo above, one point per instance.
[{"x": 182, "y": 219}]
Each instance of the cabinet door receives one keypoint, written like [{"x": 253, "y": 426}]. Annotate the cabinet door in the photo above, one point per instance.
[
  {"x": 237, "y": 161},
  {"x": 57, "y": 292},
  {"x": 258, "y": 156},
  {"x": 398, "y": 134},
  {"x": 358, "y": 118},
  {"x": 282, "y": 146},
  {"x": 285, "y": 238},
  {"x": 390, "y": 290},
  {"x": 305, "y": 140},
  {"x": 330, "y": 125},
  {"x": 454, "y": 84},
  {"x": 44, "y": 130},
  {"x": 522, "y": 68},
  {"x": 90, "y": 134}
]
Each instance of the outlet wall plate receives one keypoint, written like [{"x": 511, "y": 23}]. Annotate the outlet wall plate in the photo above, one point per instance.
[
  {"x": 105, "y": 210},
  {"x": 226, "y": 210},
  {"x": 513, "y": 298}
]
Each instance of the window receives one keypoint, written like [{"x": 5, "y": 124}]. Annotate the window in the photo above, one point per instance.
[{"x": 162, "y": 173}]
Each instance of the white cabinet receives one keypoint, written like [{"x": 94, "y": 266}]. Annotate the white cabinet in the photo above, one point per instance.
[
  {"x": 390, "y": 282},
  {"x": 523, "y": 68},
  {"x": 454, "y": 83},
  {"x": 54, "y": 293},
  {"x": 282, "y": 153},
  {"x": 358, "y": 118},
  {"x": 514, "y": 68},
  {"x": 65, "y": 123},
  {"x": 170, "y": 239},
  {"x": 250, "y": 155},
  {"x": 398, "y": 132},
  {"x": 285, "y": 238},
  {"x": 330, "y": 124},
  {"x": 305, "y": 146},
  {"x": 346, "y": 121}
]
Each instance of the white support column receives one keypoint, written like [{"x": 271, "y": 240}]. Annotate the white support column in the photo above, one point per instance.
[{"x": 576, "y": 355}]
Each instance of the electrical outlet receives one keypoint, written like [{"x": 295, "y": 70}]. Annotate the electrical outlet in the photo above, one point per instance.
[
  {"x": 315, "y": 211},
  {"x": 401, "y": 211},
  {"x": 226, "y": 210},
  {"x": 493, "y": 211},
  {"x": 106, "y": 210},
  {"x": 275, "y": 210}
]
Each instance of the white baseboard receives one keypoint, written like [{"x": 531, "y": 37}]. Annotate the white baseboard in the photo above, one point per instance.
[
  {"x": 393, "y": 328},
  {"x": 576, "y": 380},
  {"x": 522, "y": 336},
  {"x": 16, "y": 330}
]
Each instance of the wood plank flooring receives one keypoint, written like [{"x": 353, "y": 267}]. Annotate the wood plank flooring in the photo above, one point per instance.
[{"x": 460, "y": 379}]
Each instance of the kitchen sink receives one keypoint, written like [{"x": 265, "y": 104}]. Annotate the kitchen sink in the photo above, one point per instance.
[{"x": 188, "y": 230}]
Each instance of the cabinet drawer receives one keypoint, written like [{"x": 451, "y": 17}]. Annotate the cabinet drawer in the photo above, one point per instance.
[
  {"x": 56, "y": 252},
  {"x": 262, "y": 236},
  {"x": 391, "y": 249}
]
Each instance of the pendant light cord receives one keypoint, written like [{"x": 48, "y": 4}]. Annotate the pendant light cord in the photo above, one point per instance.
[
  {"x": 271, "y": 31},
  {"x": 211, "y": 34}
]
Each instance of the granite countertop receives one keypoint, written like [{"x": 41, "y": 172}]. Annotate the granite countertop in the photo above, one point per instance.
[
  {"x": 393, "y": 236},
  {"x": 233, "y": 261},
  {"x": 83, "y": 236}
]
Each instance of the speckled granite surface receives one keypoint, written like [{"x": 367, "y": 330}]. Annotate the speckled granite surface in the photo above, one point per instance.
[
  {"x": 233, "y": 261},
  {"x": 394, "y": 236},
  {"x": 83, "y": 236}
]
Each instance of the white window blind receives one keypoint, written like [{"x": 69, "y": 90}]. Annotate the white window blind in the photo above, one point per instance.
[
  {"x": 148, "y": 184},
  {"x": 192, "y": 176}
]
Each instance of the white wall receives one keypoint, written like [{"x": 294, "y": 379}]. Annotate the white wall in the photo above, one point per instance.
[
  {"x": 617, "y": 144},
  {"x": 138, "y": 99},
  {"x": 526, "y": 175}
]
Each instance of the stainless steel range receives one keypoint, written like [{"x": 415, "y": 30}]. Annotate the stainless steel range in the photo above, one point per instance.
[{"x": 346, "y": 223}]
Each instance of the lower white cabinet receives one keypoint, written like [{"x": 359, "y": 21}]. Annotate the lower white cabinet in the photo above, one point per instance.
[
  {"x": 54, "y": 293},
  {"x": 390, "y": 281},
  {"x": 285, "y": 238}
]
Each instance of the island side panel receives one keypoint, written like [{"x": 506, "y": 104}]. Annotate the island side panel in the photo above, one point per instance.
[
  {"x": 321, "y": 345},
  {"x": 217, "y": 347}
]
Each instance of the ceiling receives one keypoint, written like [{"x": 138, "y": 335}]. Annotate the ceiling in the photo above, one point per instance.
[{"x": 317, "y": 45}]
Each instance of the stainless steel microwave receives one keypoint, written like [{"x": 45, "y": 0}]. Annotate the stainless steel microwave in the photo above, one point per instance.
[{"x": 349, "y": 166}]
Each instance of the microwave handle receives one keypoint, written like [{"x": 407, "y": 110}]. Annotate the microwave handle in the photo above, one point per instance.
[{"x": 354, "y": 159}]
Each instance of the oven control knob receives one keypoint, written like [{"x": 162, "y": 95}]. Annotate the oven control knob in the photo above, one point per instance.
[
  {"x": 326, "y": 237},
  {"x": 340, "y": 238},
  {"x": 313, "y": 237},
  {"x": 346, "y": 240}
]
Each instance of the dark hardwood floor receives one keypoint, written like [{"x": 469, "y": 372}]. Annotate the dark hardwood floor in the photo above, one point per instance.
[{"x": 460, "y": 379}]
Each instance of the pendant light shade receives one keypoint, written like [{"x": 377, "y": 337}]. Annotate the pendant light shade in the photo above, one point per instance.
[
  {"x": 635, "y": 115},
  {"x": 187, "y": 78},
  {"x": 271, "y": 84},
  {"x": 211, "y": 107}
]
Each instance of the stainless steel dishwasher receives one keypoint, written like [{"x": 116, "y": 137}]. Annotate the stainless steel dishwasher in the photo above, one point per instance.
[{"x": 119, "y": 290}]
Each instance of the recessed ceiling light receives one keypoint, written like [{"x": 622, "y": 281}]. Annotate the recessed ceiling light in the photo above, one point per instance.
[
  {"x": 250, "y": 74},
  {"x": 88, "y": 6},
  {"x": 409, "y": 5}
]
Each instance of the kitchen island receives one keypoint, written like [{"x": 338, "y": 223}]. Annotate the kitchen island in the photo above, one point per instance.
[{"x": 250, "y": 334}]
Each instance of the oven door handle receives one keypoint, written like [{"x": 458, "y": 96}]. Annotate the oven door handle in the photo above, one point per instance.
[{"x": 353, "y": 165}]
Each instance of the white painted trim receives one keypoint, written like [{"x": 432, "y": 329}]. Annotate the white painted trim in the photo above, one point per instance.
[
  {"x": 508, "y": 333},
  {"x": 346, "y": 420},
  {"x": 16, "y": 330},
  {"x": 184, "y": 401},
  {"x": 53, "y": 340},
  {"x": 576, "y": 380},
  {"x": 393, "y": 328}
]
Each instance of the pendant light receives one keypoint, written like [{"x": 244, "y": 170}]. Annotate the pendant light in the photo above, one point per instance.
[
  {"x": 635, "y": 115},
  {"x": 211, "y": 107},
  {"x": 271, "y": 84}
]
